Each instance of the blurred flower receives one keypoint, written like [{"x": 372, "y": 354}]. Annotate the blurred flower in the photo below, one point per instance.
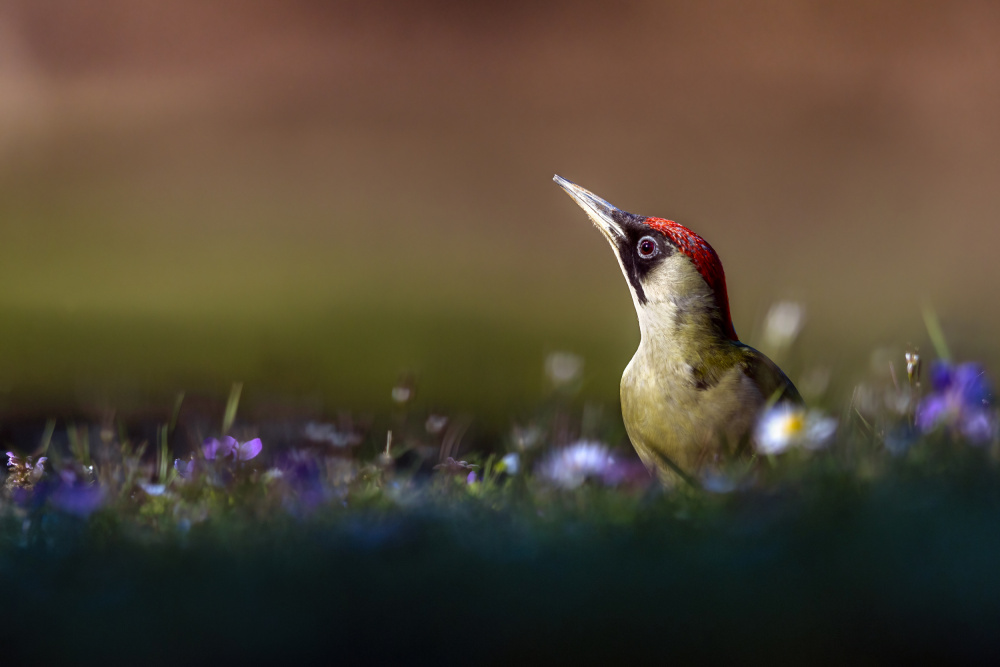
[
  {"x": 302, "y": 474},
  {"x": 782, "y": 324},
  {"x": 77, "y": 496},
  {"x": 249, "y": 449},
  {"x": 153, "y": 489},
  {"x": 562, "y": 368},
  {"x": 960, "y": 399},
  {"x": 403, "y": 391},
  {"x": 527, "y": 437},
  {"x": 569, "y": 467},
  {"x": 329, "y": 433},
  {"x": 184, "y": 468},
  {"x": 435, "y": 424},
  {"x": 716, "y": 482},
  {"x": 471, "y": 479},
  {"x": 24, "y": 472},
  {"x": 786, "y": 425},
  {"x": 213, "y": 448},
  {"x": 511, "y": 463}
]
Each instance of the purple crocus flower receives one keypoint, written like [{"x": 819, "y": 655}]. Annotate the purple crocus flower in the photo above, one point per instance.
[{"x": 960, "y": 399}]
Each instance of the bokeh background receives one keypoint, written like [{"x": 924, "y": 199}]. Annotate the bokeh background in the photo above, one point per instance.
[{"x": 315, "y": 197}]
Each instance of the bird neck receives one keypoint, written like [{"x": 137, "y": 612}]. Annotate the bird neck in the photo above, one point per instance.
[{"x": 682, "y": 328}]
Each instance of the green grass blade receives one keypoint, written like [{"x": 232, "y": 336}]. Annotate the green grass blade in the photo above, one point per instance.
[
  {"x": 231, "y": 406},
  {"x": 935, "y": 332}
]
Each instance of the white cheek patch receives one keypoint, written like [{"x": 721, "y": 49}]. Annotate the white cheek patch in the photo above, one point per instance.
[
  {"x": 673, "y": 288},
  {"x": 676, "y": 277}
]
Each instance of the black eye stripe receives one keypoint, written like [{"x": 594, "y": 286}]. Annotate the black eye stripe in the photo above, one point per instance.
[{"x": 637, "y": 264}]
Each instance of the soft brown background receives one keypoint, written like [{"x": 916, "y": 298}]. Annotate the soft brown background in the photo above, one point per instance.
[{"x": 313, "y": 197}]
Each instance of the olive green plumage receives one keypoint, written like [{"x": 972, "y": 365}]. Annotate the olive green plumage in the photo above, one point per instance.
[{"x": 686, "y": 416}]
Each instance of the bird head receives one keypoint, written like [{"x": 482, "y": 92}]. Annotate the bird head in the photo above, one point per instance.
[{"x": 674, "y": 275}]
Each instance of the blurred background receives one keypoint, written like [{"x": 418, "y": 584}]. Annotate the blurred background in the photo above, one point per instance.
[{"x": 315, "y": 197}]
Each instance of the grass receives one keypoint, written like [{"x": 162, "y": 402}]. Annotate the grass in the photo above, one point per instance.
[{"x": 353, "y": 553}]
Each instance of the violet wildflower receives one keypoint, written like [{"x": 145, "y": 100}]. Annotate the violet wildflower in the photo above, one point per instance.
[
  {"x": 76, "y": 496},
  {"x": 249, "y": 449},
  {"x": 302, "y": 475},
  {"x": 23, "y": 472},
  {"x": 214, "y": 448},
  {"x": 961, "y": 399},
  {"x": 184, "y": 468}
]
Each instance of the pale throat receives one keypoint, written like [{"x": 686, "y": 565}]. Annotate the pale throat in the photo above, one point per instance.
[{"x": 680, "y": 311}]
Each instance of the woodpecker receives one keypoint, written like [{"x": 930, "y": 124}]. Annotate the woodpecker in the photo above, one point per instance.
[{"x": 692, "y": 392}]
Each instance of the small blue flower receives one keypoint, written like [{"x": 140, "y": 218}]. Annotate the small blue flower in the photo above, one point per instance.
[
  {"x": 961, "y": 399},
  {"x": 511, "y": 463}
]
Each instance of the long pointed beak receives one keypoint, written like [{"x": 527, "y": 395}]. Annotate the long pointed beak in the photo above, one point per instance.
[{"x": 599, "y": 211}]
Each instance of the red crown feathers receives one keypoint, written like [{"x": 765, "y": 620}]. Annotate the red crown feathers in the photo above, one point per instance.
[{"x": 704, "y": 258}]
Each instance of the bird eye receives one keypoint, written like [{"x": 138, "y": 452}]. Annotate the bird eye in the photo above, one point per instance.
[{"x": 647, "y": 247}]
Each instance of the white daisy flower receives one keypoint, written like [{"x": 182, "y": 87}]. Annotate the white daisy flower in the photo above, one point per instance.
[
  {"x": 569, "y": 467},
  {"x": 786, "y": 425}
]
